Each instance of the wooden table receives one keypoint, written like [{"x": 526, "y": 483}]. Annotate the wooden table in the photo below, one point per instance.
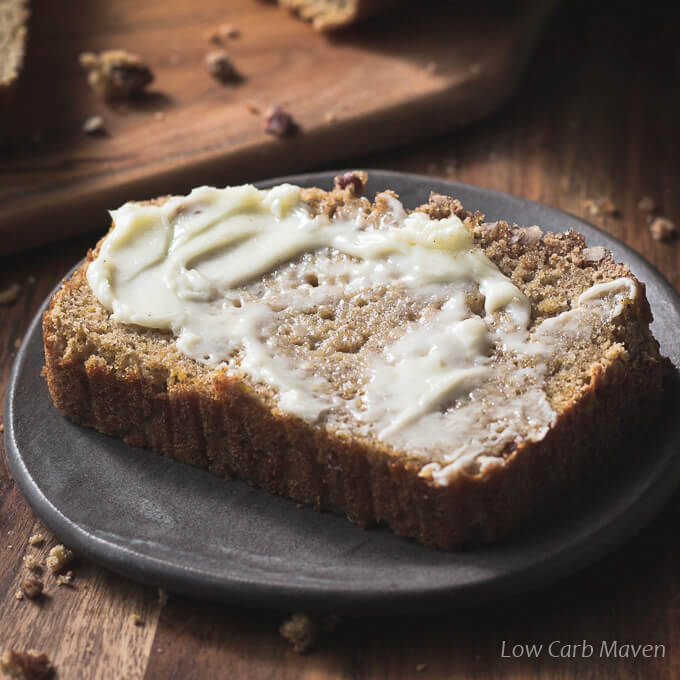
[{"x": 596, "y": 116}]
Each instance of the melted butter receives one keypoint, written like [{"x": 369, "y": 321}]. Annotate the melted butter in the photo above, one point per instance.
[{"x": 184, "y": 265}]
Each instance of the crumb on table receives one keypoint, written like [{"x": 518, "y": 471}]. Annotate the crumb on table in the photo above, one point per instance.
[
  {"x": 300, "y": 631},
  {"x": 663, "y": 229},
  {"x": 32, "y": 587},
  {"x": 58, "y": 558},
  {"x": 10, "y": 295},
  {"x": 646, "y": 204},
  {"x": 30, "y": 665},
  {"x": 279, "y": 122},
  {"x": 220, "y": 66},
  {"x": 116, "y": 74},
  {"x": 32, "y": 562},
  {"x": 36, "y": 539},
  {"x": 94, "y": 125},
  {"x": 136, "y": 620},
  {"x": 65, "y": 579}
]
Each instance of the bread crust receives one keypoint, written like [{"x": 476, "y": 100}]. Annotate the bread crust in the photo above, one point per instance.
[{"x": 224, "y": 425}]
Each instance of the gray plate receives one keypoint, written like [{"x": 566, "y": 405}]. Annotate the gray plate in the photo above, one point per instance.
[{"x": 179, "y": 527}]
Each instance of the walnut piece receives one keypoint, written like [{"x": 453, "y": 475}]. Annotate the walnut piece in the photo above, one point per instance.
[
  {"x": 662, "y": 229},
  {"x": 352, "y": 180},
  {"x": 116, "y": 74},
  {"x": 32, "y": 587},
  {"x": 58, "y": 558},
  {"x": 300, "y": 631},
  {"x": 29, "y": 665}
]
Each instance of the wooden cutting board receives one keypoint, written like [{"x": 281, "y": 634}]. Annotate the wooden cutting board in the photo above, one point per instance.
[{"x": 388, "y": 82}]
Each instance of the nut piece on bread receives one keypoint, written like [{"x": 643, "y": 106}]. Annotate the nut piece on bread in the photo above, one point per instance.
[{"x": 422, "y": 369}]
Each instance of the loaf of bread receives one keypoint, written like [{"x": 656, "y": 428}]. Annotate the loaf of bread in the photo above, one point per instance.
[
  {"x": 422, "y": 369},
  {"x": 13, "y": 23},
  {"x": 330, "y": 15}
]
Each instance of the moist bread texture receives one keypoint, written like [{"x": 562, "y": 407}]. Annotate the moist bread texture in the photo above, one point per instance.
[{"x": 133, "y": 383}]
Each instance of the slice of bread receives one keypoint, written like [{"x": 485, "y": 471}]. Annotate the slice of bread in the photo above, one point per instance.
[
  {"x": 133, "y": 382},
  {"x": 13, "y": 23},
  {"x": 330, "y": 15}
]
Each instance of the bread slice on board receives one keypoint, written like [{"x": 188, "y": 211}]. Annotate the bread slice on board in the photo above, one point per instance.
[{"x": 528, "y": 441}]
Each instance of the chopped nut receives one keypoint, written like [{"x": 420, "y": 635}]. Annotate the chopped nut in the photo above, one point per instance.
[
  {"x": 278, "y": 122},
  {"x": 65, "y": 579},
  {"x": 10, "y": 295},
  {"x": 2, "y": 427},
  {"x": 36, "y": 539},
  {"x": 136, "y": 620},
  {"x": 662, "y": 229},
  {"x": 94, "y": 125},
  {"x": 32, "y": 587},
  {"x": 19, "y": 595},
  {"x": 29, "y": 665},
  {"x": 58, "y": 558},
  {"x": 162, "y": 597},
  {"x": 32, "y": 562},
  {"x": 300, "y": 631},
  {"x": 219, "y": 66},
  {"x": 350, "y": 179},
  {"x": 116, "y": 74},
  {"x": 646, "y": 204}
]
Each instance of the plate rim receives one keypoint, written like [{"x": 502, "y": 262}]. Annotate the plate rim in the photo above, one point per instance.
[{"x": 261, "y": 593}]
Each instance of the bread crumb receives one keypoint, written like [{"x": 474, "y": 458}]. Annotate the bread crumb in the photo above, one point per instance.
[
  {"x": 220, "y": 66},
  {"x": 608, "y": 207},
  {"x": 279, "y": 122},
  {"x": 646, "y": 204},
  {"x": 32, "y": 562},
  {"x": 19, "y": 595},
  {"x": 162, "y": 597},
  {"x": 222, "y": 33},
  {"x": 300, "y": 631},
  {"x": 94, "y": 125},
  {"x": 10, "y": 295},
  {"x": 36, "y": 539},
  {"x": 662, "y": 229},
  {"x": 421, "y": 667},
  {"x": 32, "y": 587},
  {"x": 58, "y": 558},
  {"x": 29, "y": 665},
  {"x": 65, "y": 579},
  {"x": 136, "y": 620},
  {"x": 116, "y": 74}
]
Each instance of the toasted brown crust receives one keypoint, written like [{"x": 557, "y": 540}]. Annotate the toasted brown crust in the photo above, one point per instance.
[{"x": 220, "y": 423}]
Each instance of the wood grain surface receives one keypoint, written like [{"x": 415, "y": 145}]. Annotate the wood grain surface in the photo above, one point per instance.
[
  {"x": 595, "y": 116},
  {"x": 390, "y": 81}
]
